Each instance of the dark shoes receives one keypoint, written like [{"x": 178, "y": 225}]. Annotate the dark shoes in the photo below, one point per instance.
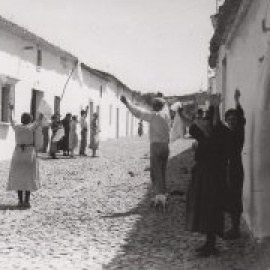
[
  {"x": 206, "y": 251},
  {"x": 232, "y": 235},
  {"x": 20, "y": 205},
  {"x": 24, "y": 205},
  {"x": 27, "y": 205}
]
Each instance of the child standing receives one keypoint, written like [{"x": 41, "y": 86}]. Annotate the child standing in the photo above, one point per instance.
[{"x": 24, "y": 174}]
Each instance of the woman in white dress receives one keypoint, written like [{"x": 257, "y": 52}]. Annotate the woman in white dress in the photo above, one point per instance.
[{"x": 23, "y": 173}]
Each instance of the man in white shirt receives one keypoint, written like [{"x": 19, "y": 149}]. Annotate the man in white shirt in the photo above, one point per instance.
[
  {"x": 83, "y": 125},
  {"x": 159, "y": 135}
]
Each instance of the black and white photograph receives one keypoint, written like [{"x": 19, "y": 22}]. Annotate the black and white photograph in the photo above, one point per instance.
[{"x": 135, "y": 134}]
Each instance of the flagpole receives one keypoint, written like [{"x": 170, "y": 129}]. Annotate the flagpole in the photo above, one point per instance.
[{"x": 66, "y": 83}]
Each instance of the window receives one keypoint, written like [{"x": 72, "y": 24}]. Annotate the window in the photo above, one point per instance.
[
  {"x": 7, "y": 96},
  {"x": 35, "y": 102},
  {"x": 39, "y": 59},
  {"x": 100, "y": 91},
  {"x": 57, "y": 105}
]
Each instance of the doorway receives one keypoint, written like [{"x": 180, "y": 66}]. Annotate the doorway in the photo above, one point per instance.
[{"x": 37, "y": 96}]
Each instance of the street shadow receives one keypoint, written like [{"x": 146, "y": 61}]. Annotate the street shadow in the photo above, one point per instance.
[
  {"x": 262, "y": 258},
  {"x": 5, "y": 207},
  {"x": 122, "y": 214},
  {"x": 155, "y": 239},
  {"x": 158, "y": 240},
  {"x": 60, "y": 157}
]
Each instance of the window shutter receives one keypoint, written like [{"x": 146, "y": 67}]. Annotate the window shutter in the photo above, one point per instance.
[
  {"x": 12, "y": 97},
  {"x": 39, "y": 59},
  {"x": 5, "y": 102},
  {"x": 57, "y": 101}
]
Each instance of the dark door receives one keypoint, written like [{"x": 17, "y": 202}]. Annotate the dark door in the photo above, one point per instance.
[{"x": 35, "y": 102}]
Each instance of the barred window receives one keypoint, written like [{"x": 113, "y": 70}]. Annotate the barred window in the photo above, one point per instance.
[
  {"x": 7, "y": 96},
  {"x": 101, "y": 91}
]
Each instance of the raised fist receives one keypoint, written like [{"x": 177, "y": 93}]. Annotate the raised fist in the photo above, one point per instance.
[{"x": 237, "y": 94}]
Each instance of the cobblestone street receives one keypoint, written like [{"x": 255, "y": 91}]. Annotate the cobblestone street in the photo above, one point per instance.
[{"x": 94, "y": 213}]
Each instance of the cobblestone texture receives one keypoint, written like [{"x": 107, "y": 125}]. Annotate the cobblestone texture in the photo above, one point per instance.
[{"x": 94, "y": 213}]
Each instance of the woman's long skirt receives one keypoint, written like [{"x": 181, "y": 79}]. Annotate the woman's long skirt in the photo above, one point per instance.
[
  {"x": 24, "y": 173},
  {"x": 204, "y": 200}
]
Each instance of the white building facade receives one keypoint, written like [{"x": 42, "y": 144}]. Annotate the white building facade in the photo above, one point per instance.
[
  {"x": 35, "y": 74},
  {"x": 242, "y": 62}
]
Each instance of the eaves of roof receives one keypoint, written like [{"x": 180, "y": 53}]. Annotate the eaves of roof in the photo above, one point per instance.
[
  {"x": 226, "y": 17},
  {"x": 104, "y": 75},
  {"x": 38, "y": 41},
  {"x": 29, "y": 36},
  {"x": 242, "y": 11}
]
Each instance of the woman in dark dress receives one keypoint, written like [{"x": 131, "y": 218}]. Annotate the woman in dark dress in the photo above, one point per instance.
[
  {"x": 65, "y": 140},
  {"x": 206, "y": 191},
  {"x": 233, "y": 202}
]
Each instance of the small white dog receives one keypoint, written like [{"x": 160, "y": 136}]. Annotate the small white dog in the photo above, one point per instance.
[{"x": 160, "y": 201}]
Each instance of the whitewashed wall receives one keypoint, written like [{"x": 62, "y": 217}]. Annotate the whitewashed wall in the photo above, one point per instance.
[
  {"x": 247, "y": 58},
  {"x": 19, "y": 64}
]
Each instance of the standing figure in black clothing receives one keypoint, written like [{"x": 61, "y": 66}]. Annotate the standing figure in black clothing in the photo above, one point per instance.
[
  {"x": 205, "y": 194},
  {"x": 236, "y": 121},
  {"x": 65, "y": 140}
]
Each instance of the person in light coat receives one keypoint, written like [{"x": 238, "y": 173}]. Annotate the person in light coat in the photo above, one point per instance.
[{"x": 24, "y": 173}]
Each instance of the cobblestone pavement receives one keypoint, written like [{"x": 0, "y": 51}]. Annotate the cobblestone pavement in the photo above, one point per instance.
[{"x": 94, "y": 213}]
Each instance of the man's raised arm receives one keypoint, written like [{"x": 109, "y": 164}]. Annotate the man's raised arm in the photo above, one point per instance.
[{"x": 139, "y": 113}]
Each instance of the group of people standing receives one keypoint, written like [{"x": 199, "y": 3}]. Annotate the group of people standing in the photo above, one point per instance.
[
  {"x": 24, "y": 172},
  {"x": 216, "y": 186},
  {"x": 64, "y": 136},
  {"x": 217, "y": 177}
]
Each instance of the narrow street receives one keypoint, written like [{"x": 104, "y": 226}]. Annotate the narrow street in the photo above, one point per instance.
[{"x": 94, "y": 213}]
